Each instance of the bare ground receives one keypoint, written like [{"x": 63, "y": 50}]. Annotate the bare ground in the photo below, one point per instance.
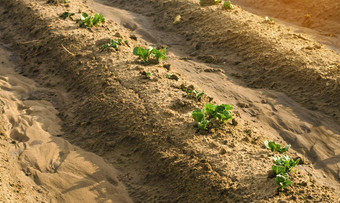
[{"x": 144, "y": 127}]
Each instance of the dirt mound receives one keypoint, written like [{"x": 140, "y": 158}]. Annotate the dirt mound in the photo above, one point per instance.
[
  {"x": 319, "y": 19},
  {"x": 261, "y": 54},
  {"x": 319, "y": 15},
  {"x": 50, "y": 168},
  {"x": 144, "y": 126}
]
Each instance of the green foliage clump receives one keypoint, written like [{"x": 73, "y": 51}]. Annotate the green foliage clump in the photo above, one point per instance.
[
  {"x": 227, "y": 5},
  {"x": 199, "y": 117},
  {"x": 276, "y": 147},
  {"x": 192, "y": 93},
  {"x": 282, "y": 166},
  {"x": 221, "y": 113},
  {"x": 147, "y": 54},
  {"x": 282, "y": 180},
  {"x": 90, "y": 21},
  {"x": 66, "y": 14},
  {"x": 114, "y": 44}
]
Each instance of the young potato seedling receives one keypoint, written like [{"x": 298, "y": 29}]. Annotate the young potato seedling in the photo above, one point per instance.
[
  {"x": 198, "y": 95},
  {"x": 66, "y": 15},
  {"x": 282, "y": 166},
  {"x": 146, "y": 54},
  {"x": 90, "y": 21},
  {"x": 268, "y": 20},
  {"x": 282, "y": 180},
  {"x": 192, "y": 93},
  {"x": 219, "y": 112},
  {"x": 276, "y": 147},
  {"x": 147, "y": 75},
  {"x": 199, "y": 117},
  {"x": 227, "y": 5},
  {"x": 114, "y": 44}
]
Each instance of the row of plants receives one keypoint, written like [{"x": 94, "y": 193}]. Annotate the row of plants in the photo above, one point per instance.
[
  {"x": 210, "y": 115},
  {"x": 226, "y": 4},
  {"x": 283, "y": 165}
]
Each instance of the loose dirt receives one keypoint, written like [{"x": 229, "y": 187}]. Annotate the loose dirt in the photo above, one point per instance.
[
  {"x": 38, "y": 166},
  {"x": 319, "y": 19},
  {"x": 143, "y": 127}
]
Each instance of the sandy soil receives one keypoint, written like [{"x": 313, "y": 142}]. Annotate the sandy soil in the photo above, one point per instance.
[
  {"x": 37, "y": 165},
  {"x": 143, "y": 127},
  {"x": 319, "y": 19}
]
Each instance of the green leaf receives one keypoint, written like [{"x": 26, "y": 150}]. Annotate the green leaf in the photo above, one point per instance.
[
  {"x": 227, "y": 5},
  {"x": 198, "y": 115},
  {"x": 276, "y": 147},
  {"x": 203, "y": 125},
  {"x": 89, "y": 21},
  {"x": 158, "y": 54},
  {"x": 83, "y": 16},
  {"x": 282, "y": 180},
  {"x": 66, "y": 15},
  {"x": 210, "y": 109},
  {"x": 284, "y": 164},
  {"x": 147, "y": 75},
  {"x": 279, "y": 169},
  {"x": 222, "y": 112}
]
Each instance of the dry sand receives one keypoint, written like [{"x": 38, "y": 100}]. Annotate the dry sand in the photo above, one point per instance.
[
  {"x": 38, "y": 166},
  {"x": 143, "y": 127}
]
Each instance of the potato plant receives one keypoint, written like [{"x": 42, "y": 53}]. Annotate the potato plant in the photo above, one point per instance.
[
  {"x": 150, "y": 53},
  {"x": 282, "y": 165},
  {"x": 221, "y": 113},
  {"x": 227, "y": 5},
  {"x": 90, "y": 21},
  {"x": 114, "y": 44},
  {"x": 66, "y": 15},
  {"x": 276, "y": 147}
]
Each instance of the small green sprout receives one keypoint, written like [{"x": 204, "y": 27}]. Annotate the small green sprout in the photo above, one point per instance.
[
  {"x": 269, "y": 20},
  {"x": 284, "y": 164},
  {"x": 169, "y": 75},
  {"x": 147, "y": 75},
  {"x": 159, "y": 55},
  {"x": 66, "y": 15},
  {"x": 90, "y": 21},
  {"x": 198, "y": 95},
  {"x": 199, "y": 117},
  {"x": 114, "y": 44},
  {"x": 276, "y": 147},
  {"x": 219, "y": 112},
  {"x": 282, "y": 180},
  {"x": 227, "y": 5},
  {"x": 146, "y": 54}
]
